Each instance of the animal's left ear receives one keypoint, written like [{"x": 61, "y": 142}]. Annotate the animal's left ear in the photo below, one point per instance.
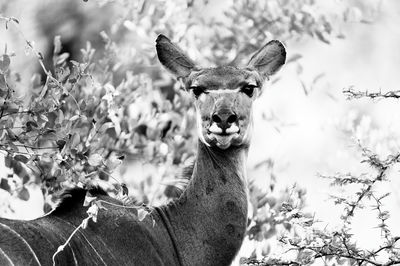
[
  {"x": 173, "y": 58},
  {"x": 269, "y": 59}
]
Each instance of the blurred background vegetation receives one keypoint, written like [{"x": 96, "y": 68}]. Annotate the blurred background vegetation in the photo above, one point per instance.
[{"x": 84, "y": 99}]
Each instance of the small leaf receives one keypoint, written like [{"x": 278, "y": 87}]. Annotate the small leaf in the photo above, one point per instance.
[
  {"x": 73, "y": 118},
  {"x": 75, "y": 140},
  {"x": 3, "y": 85},
  {"x": 74, "y": 63},
  {"x": 322, "y": 36},
  {"x": 88, "y": 200},
  {"x": 13, "y": 147},
  {"x": 104, "y": 36},
  {"x": 8, "y": 161},
  {"x": 124, "y": 189},
  {"x": 103, "y": 175},
  {"x": 60, "y": 144},
  {"x": 57, "y": 173},
  {"x": 57, "y": 44},
  {"x": 15, "y": 20},
  {"x": 142, "y": 213},
  {"x": 95, "y": 159},
  {"x": 40, "y": 56},
  {"x": 82, "y": 105},
  {"x": 21, "y": 158},
  {"x": 4, "y": 184},
  {"x": 105, "y": 126},
  {"x": 25, "y": 177},
  {"x": 23, "y": 194},
  {"x": 30, "y": 125},
  {"x": 42, "y": 92},
  {"x": 11, "y": 135},
  {"x": 62, "y": 58},
  {"x": 100, "y": 205},
  {"x": 85, "y": 223},
  {"x": 4, "y": 63},
  {"x": 171, "y": 191},
  {"x": 17, "y": 168},
  {"x": 112, "y": 162},
  {"x": 93, "y": 211},
  {"x": 47, "y": 207},
  {"x": 43, "y": 117}
]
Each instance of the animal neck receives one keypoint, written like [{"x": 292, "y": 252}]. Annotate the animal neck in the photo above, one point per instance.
[{"x": 209, "y": 220}]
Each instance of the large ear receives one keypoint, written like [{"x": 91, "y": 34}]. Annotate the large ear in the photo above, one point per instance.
[
  {"x": 172, "y": 57},
  {"x": 269, "y": 59}
]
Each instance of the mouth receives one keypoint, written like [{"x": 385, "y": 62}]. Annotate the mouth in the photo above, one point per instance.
[
  {"x": 222, "y": 138},
  {"x": 223, "y": 141}
]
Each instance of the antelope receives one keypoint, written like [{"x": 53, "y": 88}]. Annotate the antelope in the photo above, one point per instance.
[{"x": 206, "y": 225}]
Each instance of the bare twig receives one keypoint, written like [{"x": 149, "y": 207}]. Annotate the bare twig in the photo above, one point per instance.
[{"x": 354, "y": 94}]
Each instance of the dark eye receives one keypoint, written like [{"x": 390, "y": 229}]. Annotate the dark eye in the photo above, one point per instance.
[
  {"x": 197, "y": 91},
  {"x": 248, "y": 89}
]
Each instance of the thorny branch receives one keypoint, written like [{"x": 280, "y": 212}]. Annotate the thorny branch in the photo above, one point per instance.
[
  {"x": 339, "y": 245},
  {"x": 351, "y": 93}
]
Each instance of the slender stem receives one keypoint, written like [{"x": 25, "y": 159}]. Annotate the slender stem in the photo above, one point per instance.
[
  {"x": 61, "y": 248},
  {"x": 30, "y": 147}
]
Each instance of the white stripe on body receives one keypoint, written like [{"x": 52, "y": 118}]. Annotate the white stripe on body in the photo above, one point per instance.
[
  {"x": 7, "y": 257},
  {"x": 94, "y": 249},
  {"x": 24, "y": 241}
]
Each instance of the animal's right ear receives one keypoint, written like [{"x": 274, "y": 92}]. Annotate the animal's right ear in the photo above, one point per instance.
[
  {"x": 269, "y": 59},
  {"x": 172, "y": 57}
]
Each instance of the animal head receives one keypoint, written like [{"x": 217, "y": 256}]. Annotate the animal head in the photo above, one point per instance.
[{"x": 224, "y": 95}]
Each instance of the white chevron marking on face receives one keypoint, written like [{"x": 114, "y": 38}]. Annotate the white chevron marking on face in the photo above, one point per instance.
[{"x": 223, "y": 91}]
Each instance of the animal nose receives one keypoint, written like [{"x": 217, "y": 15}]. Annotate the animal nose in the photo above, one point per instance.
[{"x": 224, "y": 119}]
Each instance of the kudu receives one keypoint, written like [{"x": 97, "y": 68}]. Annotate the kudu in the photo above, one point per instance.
[{"x": 206, "y": 225}]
